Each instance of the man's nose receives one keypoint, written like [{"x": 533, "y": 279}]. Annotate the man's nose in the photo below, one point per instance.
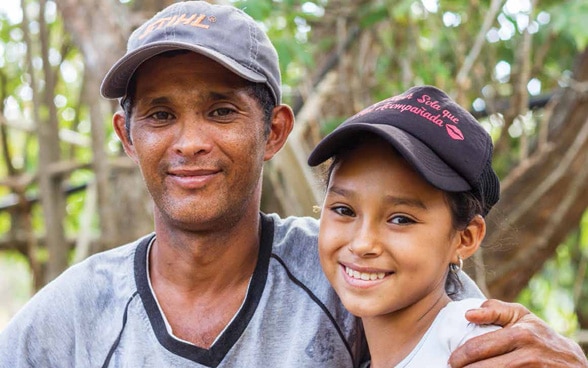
[{"x": 193, "y": 137}]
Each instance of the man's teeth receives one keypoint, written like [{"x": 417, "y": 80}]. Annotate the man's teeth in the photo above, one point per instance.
[{"x": 366, "y": 276}]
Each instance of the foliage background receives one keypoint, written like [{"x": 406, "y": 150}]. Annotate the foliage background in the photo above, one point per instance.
[{"x": 504, "y": 60}]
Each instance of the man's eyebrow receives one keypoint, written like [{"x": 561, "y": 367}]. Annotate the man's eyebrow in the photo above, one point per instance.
[
  {"x": 228, "y": 94},
  {"x": 158, "y": 100},
  {"x": 220, "y": 96},
  {"x": 210, "y": 96},
  {"x": 394, "y": 200}
]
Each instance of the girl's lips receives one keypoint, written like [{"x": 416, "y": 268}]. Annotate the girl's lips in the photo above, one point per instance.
[
  {"x": 366, "y": 276},
  {"x": 363, "y": 277}
]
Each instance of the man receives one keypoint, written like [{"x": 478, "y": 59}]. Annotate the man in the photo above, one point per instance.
[{"x": 218, "y": 284}]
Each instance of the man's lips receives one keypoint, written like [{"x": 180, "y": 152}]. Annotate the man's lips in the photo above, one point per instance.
[
  {"x": 192, "y": 178},
  {"x": 192, "y": 172}
]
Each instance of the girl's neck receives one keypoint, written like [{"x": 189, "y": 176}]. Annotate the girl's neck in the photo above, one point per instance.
[{"x": 393, "y": 336}]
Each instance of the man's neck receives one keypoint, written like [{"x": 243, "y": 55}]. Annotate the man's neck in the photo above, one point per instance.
[
  {"x": 201, "y": 280},
  {"x": 191, "y": 260}
]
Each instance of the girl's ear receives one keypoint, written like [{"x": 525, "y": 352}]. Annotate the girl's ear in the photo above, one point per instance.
[{"x": 470, "y": 239}]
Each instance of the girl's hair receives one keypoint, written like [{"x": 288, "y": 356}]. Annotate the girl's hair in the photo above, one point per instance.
[{"x": 464, "y": 206}]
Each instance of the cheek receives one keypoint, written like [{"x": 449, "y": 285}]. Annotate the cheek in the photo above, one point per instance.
[
  {"x": 332, "y": 238},
  {"x": 328, "y": 238},
  {"x": 242, "y": 146},
  {"x": 147, "y": 144}
]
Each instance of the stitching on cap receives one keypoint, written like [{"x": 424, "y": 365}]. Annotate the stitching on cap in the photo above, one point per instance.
[{"x": 252, "y": 47}]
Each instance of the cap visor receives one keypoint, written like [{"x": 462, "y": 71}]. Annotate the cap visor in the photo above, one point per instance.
[
  {"x": 116, "y": 80},
  {"x": 420, "y": 156}
]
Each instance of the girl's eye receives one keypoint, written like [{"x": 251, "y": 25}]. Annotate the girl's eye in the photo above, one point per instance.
[
  {"x": 401, "y": 220},
  {"x": 343, "y": 211}
]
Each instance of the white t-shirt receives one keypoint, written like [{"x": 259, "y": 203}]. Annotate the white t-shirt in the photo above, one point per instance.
[{"x": 449, "y": 330}]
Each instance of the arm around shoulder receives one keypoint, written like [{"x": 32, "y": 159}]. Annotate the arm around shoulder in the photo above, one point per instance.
[{"x": 525, "y": 341}]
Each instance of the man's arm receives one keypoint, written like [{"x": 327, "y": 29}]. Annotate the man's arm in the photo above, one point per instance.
[{"x": 525, "y": 341}]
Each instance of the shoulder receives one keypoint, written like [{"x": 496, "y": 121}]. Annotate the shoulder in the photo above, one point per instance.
[
  {"x": 87, "y": 294},
  {"x": 295, "y": 253},
  {"x": 295, "y": 240},
  {"x": 294, "y": 236},
  {"x": 458, "y": 308},
  {"x": 294, "y": 227},
  {"x": 109, "y": 272},
  {"x": 454, "y": 313},
  {"x": 455, "y": 327}
]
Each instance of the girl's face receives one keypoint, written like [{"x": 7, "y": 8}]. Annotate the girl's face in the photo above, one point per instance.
[{"x": 386, "y": 237}]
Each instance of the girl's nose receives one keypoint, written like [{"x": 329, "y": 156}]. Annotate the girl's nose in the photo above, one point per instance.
[{"x": 366, "y": 243}]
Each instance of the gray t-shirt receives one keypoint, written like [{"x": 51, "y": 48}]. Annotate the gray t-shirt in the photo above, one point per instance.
[{"x": 102, "y": 313}]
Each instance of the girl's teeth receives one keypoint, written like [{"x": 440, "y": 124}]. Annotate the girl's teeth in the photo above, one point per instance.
[{"x": 366, "y": 276}]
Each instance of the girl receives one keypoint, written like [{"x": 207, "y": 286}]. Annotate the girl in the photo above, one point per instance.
[{"x": 407, "y": 191}]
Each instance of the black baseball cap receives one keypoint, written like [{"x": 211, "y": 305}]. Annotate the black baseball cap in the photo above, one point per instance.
[{"x": 439, "y": 138}]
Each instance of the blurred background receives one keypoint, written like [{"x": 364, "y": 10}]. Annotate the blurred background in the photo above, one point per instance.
[{"x": 520, "y": 66}]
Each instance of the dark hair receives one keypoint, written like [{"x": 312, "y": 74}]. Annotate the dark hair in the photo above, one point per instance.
[
  {"x": 258, "y": 91},
  {"x": 464, "y": 206}
]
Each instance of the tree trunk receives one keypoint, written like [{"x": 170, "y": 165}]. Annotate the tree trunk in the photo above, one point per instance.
[
  {"x": 543, "y": 199},
  {"x": 100, "y": 28}
]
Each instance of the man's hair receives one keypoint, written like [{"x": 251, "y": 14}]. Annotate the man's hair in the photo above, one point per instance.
[{"x": 258, "y": 91}]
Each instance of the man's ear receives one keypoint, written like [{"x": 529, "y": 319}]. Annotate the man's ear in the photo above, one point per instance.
[
  {"x": 119, "y": 124},
  {"x": 470, "y": 238},
  {"x": 282, "y": 124}
]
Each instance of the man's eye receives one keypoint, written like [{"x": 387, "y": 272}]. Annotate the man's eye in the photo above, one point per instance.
[
  {"x": 161, "y": 115},
  {"x": 343, "y": 211},
  {"x": 223, "y": 111}
]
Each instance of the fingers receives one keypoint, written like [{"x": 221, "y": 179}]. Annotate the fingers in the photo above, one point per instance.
[
  {"x": 526, "y": 341},
  {"x": 492, "y": 349},
  {"x": 496, "y": 312},
  {"x": 526, "y": 352}
]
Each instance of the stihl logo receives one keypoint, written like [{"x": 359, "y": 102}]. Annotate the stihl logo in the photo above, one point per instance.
[{"x": 192, "y": 20}]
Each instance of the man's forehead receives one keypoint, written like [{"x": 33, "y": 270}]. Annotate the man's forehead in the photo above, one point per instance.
[{"x": 188, "y": 69}]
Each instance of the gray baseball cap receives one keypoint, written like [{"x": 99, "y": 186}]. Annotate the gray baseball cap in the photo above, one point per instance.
[{"x": 223, "y": 33}]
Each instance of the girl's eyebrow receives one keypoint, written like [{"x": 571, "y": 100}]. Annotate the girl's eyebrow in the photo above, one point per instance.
[
  {"x": 340, "y": 191},
  {"x": 405, "y": 201},
  {"x": 394, "y": 200}
]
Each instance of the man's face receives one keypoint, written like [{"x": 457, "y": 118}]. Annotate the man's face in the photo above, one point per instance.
[{"x": 197, "y": 136}]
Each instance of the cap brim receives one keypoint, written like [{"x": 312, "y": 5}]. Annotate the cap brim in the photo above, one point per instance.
[
  {"x": 421, "y": 157},
  {"x": 116, "y": 80}
]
